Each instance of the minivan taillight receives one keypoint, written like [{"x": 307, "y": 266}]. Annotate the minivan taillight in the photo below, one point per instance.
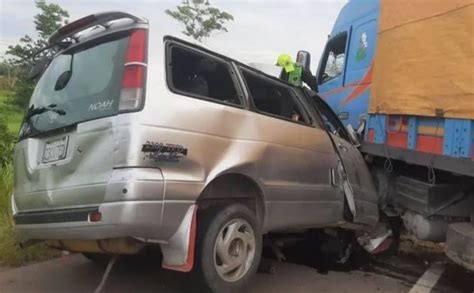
[{"x": 133, "y": 80}]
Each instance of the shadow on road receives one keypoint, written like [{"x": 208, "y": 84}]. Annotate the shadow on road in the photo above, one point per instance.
[
  {"x": 75, "y": 273},
  {"x": 143, "y": 274}
]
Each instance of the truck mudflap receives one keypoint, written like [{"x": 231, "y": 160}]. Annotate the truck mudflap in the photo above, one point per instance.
[{"x": 460, "y": 244}]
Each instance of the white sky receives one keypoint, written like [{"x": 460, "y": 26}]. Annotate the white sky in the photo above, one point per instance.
[{"x": 261, "y": 29}]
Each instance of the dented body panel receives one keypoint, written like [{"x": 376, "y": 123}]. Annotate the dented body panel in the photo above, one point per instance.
[{"x": 145, "y": 171}]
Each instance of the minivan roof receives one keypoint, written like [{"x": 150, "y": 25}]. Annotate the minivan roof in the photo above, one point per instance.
[
  {"x": 199, "y": 46},
  {"x": 122, "y": 24}
]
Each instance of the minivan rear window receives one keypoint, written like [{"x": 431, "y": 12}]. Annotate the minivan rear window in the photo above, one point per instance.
[
  {"x": 201, "y": 76},
  {"x": 92, "y": 91}
]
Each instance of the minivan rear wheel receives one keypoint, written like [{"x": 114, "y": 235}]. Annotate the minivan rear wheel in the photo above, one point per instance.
[{"x": 229, "y": 245}]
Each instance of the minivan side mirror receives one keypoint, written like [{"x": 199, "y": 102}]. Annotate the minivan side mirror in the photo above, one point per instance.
[
  {"x": 38, "y": 68},
  {"x": 303, "y": 58}
]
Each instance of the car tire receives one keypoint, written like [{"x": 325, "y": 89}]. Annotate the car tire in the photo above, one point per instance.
[{"x": 228, "y": 248}]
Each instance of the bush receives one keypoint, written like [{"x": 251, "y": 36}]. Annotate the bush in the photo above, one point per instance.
[
  {"x": 23, "y": 90},
  {"x": 6, "y": 188},
  {"x": 7, "y": 82},
  {"x": 7, "y": 140}
]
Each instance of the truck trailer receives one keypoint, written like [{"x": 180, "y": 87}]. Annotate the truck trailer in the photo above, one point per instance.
[{"x": 401, "y": 73}]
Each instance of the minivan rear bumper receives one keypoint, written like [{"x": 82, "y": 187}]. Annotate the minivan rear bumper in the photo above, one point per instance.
[
  {"x": 133, "y": 206},
  {"x": 142, "y": 220},
  {"x": 138, "y": 219}
]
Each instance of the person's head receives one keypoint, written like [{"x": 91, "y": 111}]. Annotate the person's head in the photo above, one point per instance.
[{"x": 284, "y": 61}]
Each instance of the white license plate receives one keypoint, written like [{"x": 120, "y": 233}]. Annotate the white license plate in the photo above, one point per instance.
[{"x": 55, "y": 150}]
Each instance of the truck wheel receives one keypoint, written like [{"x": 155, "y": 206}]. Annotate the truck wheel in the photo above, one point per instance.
[{"x": 228, "y": 250}]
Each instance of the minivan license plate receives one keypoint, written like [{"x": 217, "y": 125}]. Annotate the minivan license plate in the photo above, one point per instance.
[{"x": 55, "y": 150}]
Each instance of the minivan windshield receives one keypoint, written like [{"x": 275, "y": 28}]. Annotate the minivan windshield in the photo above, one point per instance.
[{"x": 92, "y": 90}]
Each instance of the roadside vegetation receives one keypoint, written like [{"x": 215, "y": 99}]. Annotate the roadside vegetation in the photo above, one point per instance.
[
  {"x": 10, "y": 252},
  {"x": 10, "y": 113},
  {"x": 15, "y": 92}
]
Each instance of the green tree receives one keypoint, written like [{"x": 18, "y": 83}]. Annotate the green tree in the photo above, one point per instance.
[
  {"x": 200, "y": 19},
  {"x": 50, "y": 18}
]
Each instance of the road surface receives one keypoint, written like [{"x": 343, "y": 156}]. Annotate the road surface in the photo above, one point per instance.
[{"x": 74, "y": 273}]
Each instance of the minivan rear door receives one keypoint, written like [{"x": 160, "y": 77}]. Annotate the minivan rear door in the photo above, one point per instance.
[
  {"x": 357, "y": 182},
  {"x": 69, "y": 139}
]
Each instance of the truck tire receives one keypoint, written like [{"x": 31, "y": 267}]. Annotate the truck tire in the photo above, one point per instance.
[{"x": 228, "y": 248}]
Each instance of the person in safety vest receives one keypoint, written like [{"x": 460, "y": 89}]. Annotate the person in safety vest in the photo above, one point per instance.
[{"x": 295, "y": 74}]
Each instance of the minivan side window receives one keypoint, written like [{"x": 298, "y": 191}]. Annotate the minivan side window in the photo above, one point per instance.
[
  {"x": 334, "y": 58},
  {"x": 201, "y": 76},
  {"x": 274, "y": 99},
  {"x": 330, "y": 120}
]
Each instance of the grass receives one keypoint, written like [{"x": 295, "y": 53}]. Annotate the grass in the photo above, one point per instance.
[
  {"x": 11, "y": 254},
  {"x": 12, "y": 114}
]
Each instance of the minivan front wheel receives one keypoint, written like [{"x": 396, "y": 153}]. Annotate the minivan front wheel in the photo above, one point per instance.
[{"x": 228, "y": 248}]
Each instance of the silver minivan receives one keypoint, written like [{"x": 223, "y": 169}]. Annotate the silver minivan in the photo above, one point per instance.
[{"x": 133, "y": 139}]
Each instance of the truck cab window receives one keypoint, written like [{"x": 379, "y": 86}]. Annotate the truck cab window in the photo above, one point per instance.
[
  {"x": 334, "y": 58},
  {"x": 274, "y": 99},
  {"x": 201, "y": 76}
]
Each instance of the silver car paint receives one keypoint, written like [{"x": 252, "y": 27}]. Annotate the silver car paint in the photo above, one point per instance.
[{"x": 291, "y": 163}]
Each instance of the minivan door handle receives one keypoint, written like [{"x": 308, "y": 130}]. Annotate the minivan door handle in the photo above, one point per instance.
[{"x": 342, "y": 147}]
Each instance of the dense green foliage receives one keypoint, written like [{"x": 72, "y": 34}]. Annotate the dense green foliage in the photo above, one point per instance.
[
  {"x": 10, "y": 113},
  {"x": 10, "y": 118},
  {"x": 200, "y": 19},
  {"x": 6, "y": 144}
]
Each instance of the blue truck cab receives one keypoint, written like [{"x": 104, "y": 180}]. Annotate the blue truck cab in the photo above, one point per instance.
[
  {"x": 350, "y": 49},
  {"x": 424, "y": 165}
]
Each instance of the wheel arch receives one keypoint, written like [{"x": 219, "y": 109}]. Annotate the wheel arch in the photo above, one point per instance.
[{"x": 234, "y": 187}]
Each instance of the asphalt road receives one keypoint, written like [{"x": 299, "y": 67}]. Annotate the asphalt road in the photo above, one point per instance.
[{"x": 76, "y": 274}]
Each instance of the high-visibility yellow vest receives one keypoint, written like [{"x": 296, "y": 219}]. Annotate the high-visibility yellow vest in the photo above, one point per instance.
[{"x": 295, "y": 76}]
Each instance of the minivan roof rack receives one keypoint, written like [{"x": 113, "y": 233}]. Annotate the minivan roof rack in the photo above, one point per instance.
[{"x": 89, "y": 21}]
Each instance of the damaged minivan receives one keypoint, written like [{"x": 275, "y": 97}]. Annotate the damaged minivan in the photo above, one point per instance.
[{"x": 134, "y": 140}]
